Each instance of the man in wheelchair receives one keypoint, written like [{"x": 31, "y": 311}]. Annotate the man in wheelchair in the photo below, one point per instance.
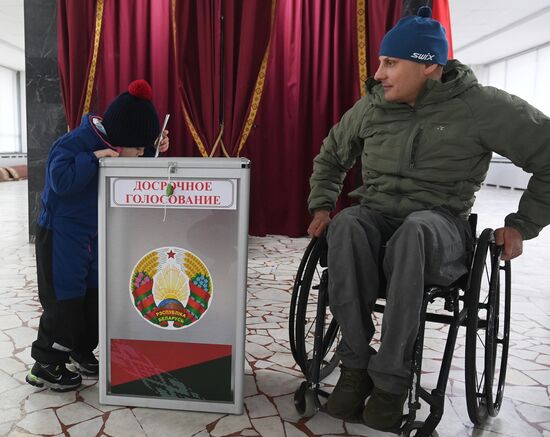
[{"x": 425, "y": 132}]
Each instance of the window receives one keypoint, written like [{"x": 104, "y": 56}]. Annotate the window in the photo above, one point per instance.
[
  {"x": 520, "y": 76},
  {"x": 542, "y": 92},
  {"x": 10, "y": 111},
  {"x": 525, "y": 75}
]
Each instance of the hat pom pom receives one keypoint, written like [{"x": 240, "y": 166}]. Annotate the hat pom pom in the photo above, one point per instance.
[
  {"x": 140, "y": 89},
  {"x": 425, "y": 12}
]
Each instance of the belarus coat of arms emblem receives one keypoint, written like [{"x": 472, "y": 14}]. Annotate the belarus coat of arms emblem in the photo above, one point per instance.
[{"x": 171, "y": 287}]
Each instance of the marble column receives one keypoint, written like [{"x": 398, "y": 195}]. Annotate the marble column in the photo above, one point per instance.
[{"x": 45, "y": 114}]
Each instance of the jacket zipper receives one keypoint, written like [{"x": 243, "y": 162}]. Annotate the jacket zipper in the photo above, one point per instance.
[
  {"x": 407, "y": 154},
  {"x": 414, "y": 147}
]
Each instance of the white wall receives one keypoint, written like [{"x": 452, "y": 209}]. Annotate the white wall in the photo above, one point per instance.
[
  {"x": 526, "y": 75},
  {"x": 11, "y": 56}
]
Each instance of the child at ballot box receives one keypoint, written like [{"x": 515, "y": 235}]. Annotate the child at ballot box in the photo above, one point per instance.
[{"x": 66, "y": 236}]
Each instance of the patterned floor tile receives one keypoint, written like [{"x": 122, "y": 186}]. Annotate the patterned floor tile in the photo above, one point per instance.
[{"x": 271, "y": 375}]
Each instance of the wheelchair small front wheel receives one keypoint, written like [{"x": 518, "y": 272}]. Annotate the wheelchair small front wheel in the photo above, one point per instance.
[
  {"x": 414, "y": 430},
  {"x": 306, "y": 400}
]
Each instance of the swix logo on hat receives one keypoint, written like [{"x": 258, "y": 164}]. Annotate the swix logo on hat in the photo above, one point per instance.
[{"x": 423, "y": 56}]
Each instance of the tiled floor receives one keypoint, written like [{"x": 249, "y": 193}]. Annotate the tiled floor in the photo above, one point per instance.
[{"x": 271, "y": 374}]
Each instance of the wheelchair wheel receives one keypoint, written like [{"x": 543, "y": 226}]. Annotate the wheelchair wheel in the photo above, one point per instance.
[
  {"x": 498, "y": 336},
  {"x": 309, "y": 287},
  {"x": 487, "y": 329},
  {"x": 294, "y": 299}
]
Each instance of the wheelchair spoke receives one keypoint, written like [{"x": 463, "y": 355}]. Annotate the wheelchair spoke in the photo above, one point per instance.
[
  {"x": 481, "y": 340},
  {"x": 319, "y": 272},
  {"x": 480, "y": 385},
  {"x": 312, "y": 324}
]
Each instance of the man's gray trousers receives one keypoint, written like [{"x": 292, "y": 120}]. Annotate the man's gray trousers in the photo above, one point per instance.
[{"x": 428, "y": 247}]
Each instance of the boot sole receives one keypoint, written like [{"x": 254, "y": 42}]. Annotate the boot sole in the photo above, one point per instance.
[{"x": 83, "y": 370}]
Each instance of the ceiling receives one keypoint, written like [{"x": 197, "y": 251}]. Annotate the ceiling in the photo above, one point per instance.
[
  {"x": 12, "y": 34},
  {"x": 483, "y": 30},
  {"x": 487, "y": 30},
  {"x": 11, "y": 18}
]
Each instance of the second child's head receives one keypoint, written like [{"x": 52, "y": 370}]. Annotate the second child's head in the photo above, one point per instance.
[{"x": 131, "y": 120}]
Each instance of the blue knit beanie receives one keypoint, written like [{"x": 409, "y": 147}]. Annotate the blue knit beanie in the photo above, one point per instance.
[{"x": 417, "y": 38}]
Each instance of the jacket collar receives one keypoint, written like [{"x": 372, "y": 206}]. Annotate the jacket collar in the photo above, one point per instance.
[{"x": 99, "y": 137}]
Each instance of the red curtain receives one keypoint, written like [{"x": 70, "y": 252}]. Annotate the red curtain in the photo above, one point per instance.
[
  {"x": 382, "y": 16},
  {"x": 440, "y": 11},
  {"x": 75, "y": 42},
  {"x": 136, "y": 43},
  {"x": 312, "y": 79},
  {"x": 196, "y": 30},
  {"x": 247, "y": 32},
  {"x": 105, "y": 44},
  {"x": 217, "y": 92}
]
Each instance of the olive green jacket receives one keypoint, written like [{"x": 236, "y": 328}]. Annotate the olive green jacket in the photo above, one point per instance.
[{"x": 436, "y": 153}]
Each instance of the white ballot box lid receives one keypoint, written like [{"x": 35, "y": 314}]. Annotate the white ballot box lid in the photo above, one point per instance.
[{"x": 199, "y": 162}]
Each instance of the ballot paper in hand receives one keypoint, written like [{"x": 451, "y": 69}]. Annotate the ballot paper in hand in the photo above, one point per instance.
[{"x": 159, "y": 138}]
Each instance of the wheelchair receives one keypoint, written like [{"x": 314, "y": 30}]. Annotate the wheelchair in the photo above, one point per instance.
[{"x": 475, "y": 302}]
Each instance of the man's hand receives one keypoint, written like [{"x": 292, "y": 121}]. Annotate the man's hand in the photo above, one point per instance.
[
  {"x": 164, "y": 143},
  {"x": 105, "y": 153},
  {"x": 321, "y": 219},
  {"x": 511, "y": 240}
]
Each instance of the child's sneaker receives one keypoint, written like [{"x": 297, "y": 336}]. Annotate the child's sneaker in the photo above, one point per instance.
[
  {"x": 54, "y": 376},
  {"x": 86, "y": 364}
]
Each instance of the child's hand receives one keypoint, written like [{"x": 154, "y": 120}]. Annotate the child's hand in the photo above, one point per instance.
[
  {"x": 105, "y": 153},
  {"x": 164, "y": 143}
]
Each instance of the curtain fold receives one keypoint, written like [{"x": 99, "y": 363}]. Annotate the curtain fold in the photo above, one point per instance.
[
  {"x": 220, "y": 47},
  {"x": 382, "y": 16},
  {"x": 311, "y": 80},
  {"x": 136, "y": 44},
  {"x": 197, "y": 35},
  {"x": 247, "y": 35},
  {"x": 133, "y": 44},
  {"x": 76, "y": 33}
]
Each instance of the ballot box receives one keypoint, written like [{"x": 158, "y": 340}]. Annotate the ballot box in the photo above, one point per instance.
[{"x": 172, "y": 282}]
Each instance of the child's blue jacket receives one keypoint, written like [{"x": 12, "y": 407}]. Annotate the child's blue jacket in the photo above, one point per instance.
[{"x": 69, "y": 208}]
